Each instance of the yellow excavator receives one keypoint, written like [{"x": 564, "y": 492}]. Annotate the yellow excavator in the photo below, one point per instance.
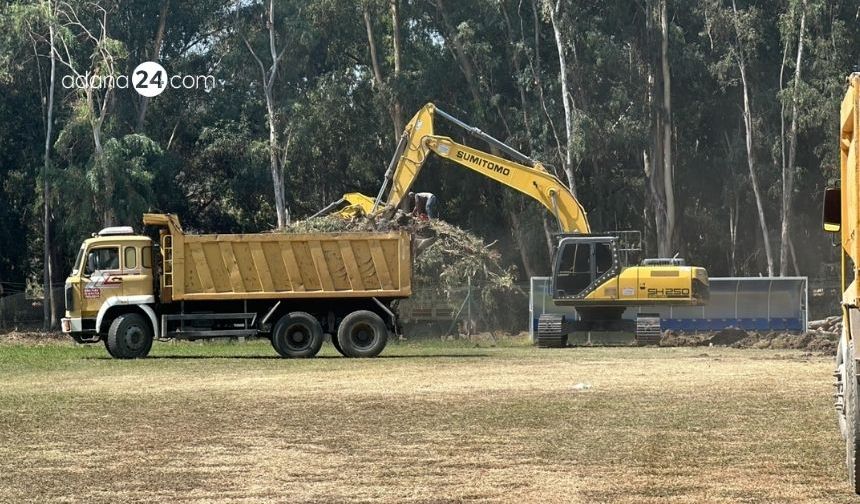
[{"x": 589, "y": 270}]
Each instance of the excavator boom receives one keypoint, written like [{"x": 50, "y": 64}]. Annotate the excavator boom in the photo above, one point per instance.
[{"x": 526, "y": 176}]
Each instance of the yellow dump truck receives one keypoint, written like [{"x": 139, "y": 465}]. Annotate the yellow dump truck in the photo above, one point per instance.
[
  {"x": 841, "y": 216},
  {"x": 128, "y": 289}
]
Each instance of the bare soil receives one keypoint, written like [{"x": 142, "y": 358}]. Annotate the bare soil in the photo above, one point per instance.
[{"x": 823, "y": 343}]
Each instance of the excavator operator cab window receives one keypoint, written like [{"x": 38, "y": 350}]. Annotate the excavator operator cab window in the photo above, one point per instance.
[
  {"x": 581, "y": 262},
  {"x": 603, "y": 257},
  {"x": 574, "y": 272}
]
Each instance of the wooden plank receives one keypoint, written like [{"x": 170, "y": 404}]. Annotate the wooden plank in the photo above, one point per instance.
[
  {"x": 320, "y": 265},
  {"x": 292, "y": 267},
  {"x": 380, "y": 265},
  {"x": 404, "y": 267},
  {"x": 201, "y": 267},
  {"x": 232, "y": 266},
  {"x": 316, "y": 294},
  {"x": 291, "y": 237},
  {"x": 262, "y": 266},
  {"x": 351, "y": 264}
]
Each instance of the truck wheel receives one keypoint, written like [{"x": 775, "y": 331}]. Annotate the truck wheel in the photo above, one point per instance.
[
  {"x": 297, "y": 335},
  {"x": 839, "y": 384},
  {"x": 851, "y": 417},
  {"x": 107, "y": 347},
  {"x": 362, "y": 333},
  {"x": 129, "y": 337}
]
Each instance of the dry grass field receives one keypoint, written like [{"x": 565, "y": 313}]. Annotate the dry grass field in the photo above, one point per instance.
[{"x": 424, "y": 423}]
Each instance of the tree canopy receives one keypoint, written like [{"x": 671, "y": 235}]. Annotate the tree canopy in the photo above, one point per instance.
[{"x": 624, "y": 100}]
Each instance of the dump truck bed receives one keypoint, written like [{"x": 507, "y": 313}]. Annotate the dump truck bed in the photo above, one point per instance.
[
  {"x": 282, "y": 266},
  {"x": 850, "y": 177}
]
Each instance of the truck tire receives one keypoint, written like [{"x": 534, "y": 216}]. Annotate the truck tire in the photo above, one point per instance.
[
  {"x": 107, "y": 347},
  {"x": 297, "y": 335},
  {"x": 129, "y": 337},
  {"x": 852, "y": 417},
  {"x": 362, "y": 333}
]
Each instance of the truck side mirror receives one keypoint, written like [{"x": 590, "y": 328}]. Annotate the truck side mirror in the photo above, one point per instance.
[{"x": 832, "y": 210}]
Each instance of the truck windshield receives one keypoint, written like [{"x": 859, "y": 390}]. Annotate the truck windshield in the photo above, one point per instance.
[{"x": 102, "y": 259}]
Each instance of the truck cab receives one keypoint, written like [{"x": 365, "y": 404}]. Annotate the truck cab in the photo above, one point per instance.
[{"x": 114, "y": 268}]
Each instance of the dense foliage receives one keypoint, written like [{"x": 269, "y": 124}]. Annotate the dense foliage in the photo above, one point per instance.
[{"x": 352, "y": 72}]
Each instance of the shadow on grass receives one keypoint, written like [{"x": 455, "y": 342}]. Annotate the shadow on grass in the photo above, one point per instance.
[{"x": 275, "y": 357}]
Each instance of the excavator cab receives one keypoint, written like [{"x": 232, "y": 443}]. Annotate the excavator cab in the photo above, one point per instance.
[{"x": 582, "y": 263}]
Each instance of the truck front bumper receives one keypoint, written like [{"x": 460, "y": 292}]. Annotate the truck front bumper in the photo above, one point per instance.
[
  {"x": 71, "y": 325},
  {"x": 81, "y": 329}
]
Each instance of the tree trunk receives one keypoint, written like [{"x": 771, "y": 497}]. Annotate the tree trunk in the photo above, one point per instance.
[
  {"x": 732, "y": 196},
  {"x": 48, "y": 303},
  {"x": 156, "y": 50},
  {"x": 788, "y": 170},
  {"x": 105, "y": 203},
  {"x": 379, "y": 81},
  {"x": 535, "y": 64},
  {"x": 548, "y": 235},
  {"x": 277, "y": 157},
  {"x": 462, "y": 58},
  {"x": 669, "y": 238},
  {"x": 733, "y": 233},
  {"x": 521, "y": 240},
  {"x": 793, "y": 257},
  {"x": 748, "y": 128},
  {"x": 274, "y": 163},
  {"x": 554, "y": 13},
  {"x": 397, "y": 45},
  {"x": 515, "y": 62},
  {"x": 654, "y": 164},
  {"x": 99, "y": 103}
]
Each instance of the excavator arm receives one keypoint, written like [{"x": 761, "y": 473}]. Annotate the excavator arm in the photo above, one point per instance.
[
  {"x": 524, "y": 175},
  {"x": 531, "y": 179}
]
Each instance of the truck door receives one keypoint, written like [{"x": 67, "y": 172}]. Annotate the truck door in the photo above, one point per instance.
[
  {"x": 100, "y": 278},
  {"x": 137, "y": 269}
]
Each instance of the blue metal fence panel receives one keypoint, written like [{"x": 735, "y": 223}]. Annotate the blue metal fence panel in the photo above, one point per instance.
[{"x": 749, "y": 303}]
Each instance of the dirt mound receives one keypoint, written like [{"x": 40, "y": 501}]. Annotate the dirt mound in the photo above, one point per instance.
[
  {"x": 728, "y": 336},
  {"x": 671, "y": 338},
  {"x": 737, "y": 338}
]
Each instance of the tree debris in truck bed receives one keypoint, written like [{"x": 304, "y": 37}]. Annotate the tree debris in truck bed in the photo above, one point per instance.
[{"x": 445, "y": 256}]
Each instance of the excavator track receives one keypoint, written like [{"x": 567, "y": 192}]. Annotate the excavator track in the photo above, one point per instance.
[
  {"x": 550, "y": 332},
  {"x": 648, "y": 329}
]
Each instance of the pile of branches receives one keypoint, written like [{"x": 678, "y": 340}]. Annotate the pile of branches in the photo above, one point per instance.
[{"x": 446, "y": 257}]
